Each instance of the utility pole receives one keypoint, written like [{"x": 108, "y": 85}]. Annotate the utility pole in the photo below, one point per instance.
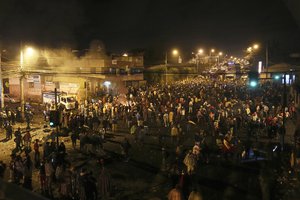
[
  {"x": 267, "y": 57},
  {"x": 86, "y": 90},
  {"x": 57, "y": 113},
  {"x": 22, "y": 101},
  {"x": 1, "y": 79},
  {"x": 284, "y": 104},
  {"x": 166, "y": 65}
]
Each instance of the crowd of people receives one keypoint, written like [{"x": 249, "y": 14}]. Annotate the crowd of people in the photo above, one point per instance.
[{"x": 212, "y": 112}]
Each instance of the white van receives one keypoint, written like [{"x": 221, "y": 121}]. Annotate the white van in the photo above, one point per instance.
[{"x": 67, "y": 101}]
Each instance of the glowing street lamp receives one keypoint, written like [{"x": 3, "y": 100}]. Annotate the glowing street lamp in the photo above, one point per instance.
[
  {"x": 255, "y": 46},
  {"x": 200, "y": 52},
  {"x": 175, "y": 52},
  {"x": 219, "y": 55},
  {"x": 29, "y": 51}
]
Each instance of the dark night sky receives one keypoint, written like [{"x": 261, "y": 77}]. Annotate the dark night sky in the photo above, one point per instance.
[{"x": 229, "y": 25}]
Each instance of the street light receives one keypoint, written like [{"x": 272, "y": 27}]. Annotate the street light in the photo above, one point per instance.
[
  {"x": 1, "y": 79},
  {"x": 175, "y": 52},
  {"x": 220, "y": 54},
  {"x": 255, "y": 46},
  {"x": 200, "y": 51},
  {"x": 29, "y": 51}
]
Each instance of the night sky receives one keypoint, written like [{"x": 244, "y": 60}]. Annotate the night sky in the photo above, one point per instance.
[{"x": 229, "y": 25}]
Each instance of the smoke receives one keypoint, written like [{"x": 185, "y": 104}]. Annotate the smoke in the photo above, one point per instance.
[{"x": 69, "y": 60}]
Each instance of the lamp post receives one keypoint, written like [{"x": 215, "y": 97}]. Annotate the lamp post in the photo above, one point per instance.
[
  {"x": 174, "y": 53},
  {"x": 210, "y": 55},
  {"x": 1, "y": 79},
  {"x": 212, "y": 51},
  {"x": 220, "y": 54},
  {"x": 200, "y": 53},
  {"x": 282, "y": 136},
  {"x": 22, "y": 84}
]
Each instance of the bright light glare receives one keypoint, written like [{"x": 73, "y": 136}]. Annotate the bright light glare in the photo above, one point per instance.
[
  {"x": 29, "y": 51},
  {"x": 220, "y": 53},
  {"x": 107, "y": 83},
  {"x": 200, "y": 51},
  {"x": 125, "y": 54},
  {"x": 212, "y": 50},
  {"x": 175, "y": 52},
  {"x": 255, "y": 46},
  {"x": 253, "y": 83},
  {"x": 277, "y": 77},
  {"x": 259, "y": 66}
]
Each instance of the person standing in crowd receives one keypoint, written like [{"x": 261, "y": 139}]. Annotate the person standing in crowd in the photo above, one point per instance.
[
  {"x": 74, "y": 137},
  {"x": 49, "y": 171},
  {"x": 175, "y": 193},
  {"x": 9, "y": 131},
  {"x": 125, "y": 149},
  {"x": 42, "y": 177},
  {"x": 36, "y": 148},
  {"x": 174, "y": 134},
  {"x": 195, "y": 195},
  {"x": 27, "y": 139},
  {"x": 28, "y": 116},
  {"x": 18, "y": 168},
  {"x": 18, "y": 139},
  {"x": 27, "y": 168}
]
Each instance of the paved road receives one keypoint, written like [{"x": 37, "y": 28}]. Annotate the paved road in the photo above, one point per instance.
[{"x": 142, "y": 178}]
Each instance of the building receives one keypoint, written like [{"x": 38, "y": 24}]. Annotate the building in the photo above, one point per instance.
[{"x": 82, "y": 77}]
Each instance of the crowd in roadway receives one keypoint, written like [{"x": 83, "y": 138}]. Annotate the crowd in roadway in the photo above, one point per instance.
[
  {"x": 214, "y": 112},
  {"x": 211, "y": 111}
]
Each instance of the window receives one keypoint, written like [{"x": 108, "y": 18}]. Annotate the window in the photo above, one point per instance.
[
  {"x": 70, "y": 99},
  {"x": 31, "y": 84}
]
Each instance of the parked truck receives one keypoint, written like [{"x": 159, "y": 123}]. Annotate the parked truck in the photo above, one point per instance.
[{"x": 63, "y": 99}]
